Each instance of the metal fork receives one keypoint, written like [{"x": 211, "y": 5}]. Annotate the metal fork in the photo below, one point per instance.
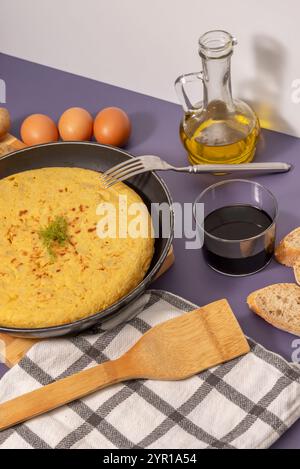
[{"x": 134, "y": 166}]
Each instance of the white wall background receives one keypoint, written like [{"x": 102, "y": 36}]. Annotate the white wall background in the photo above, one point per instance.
[{"x": 143, "y": 45}]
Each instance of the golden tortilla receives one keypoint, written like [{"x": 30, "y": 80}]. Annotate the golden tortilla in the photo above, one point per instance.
[{"x": 88, "y": 273}]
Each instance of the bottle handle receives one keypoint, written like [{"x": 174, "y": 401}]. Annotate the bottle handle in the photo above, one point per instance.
[{"x": 180, "y": 89}]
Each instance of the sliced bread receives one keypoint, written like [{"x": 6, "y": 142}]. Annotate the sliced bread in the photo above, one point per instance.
[
  {"x": 278, "y": 304},
  {"x": 288, "y": 250}
]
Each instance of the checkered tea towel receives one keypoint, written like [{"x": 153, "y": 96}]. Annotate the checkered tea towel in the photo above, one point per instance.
[{"x": 246, "y": 403}]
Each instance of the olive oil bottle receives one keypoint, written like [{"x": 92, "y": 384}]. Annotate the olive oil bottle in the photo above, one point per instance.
[{"x": 219, "y": 129}]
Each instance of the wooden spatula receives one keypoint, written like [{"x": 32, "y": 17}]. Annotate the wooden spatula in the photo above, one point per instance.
[{"x": 173, "y": 350}]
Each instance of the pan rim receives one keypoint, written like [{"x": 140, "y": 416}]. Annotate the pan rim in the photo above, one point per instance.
[{"x": 125, "y": 300}]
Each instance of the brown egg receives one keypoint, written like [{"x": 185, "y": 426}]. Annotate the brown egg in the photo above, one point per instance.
[
  {"x": 38, "y": 128},
  {"x": 76, "y": 124},
  {"x": 4, "y": 122},
  {"x": 112, "y": 127}
]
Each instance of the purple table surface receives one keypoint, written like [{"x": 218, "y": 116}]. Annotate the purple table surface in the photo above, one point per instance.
[{"x": 33, "y": 88}]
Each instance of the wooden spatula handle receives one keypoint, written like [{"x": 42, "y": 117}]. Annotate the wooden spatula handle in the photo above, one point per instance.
[{"x": 62, "y": 392}]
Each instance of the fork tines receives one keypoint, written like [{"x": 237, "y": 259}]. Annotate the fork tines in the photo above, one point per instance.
[{"x": 121, "y": 172}]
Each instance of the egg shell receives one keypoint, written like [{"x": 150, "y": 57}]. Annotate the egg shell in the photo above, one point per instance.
[
  {"x": 37, "y": 129},
  {"x": 112, "y": 127},
  {"x": 75, "y": 124}
]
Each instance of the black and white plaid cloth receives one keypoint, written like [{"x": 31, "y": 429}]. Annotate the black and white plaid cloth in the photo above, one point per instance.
[{"x": 246, "y": 403}]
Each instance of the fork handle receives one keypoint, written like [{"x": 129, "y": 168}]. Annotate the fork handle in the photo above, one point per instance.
[
  {"x": 63, "y": 391},
  {"x": 257, "y": 168}
]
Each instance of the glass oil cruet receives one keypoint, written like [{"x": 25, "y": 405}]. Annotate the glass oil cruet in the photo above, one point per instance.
[{"x": 219, "y": 129}]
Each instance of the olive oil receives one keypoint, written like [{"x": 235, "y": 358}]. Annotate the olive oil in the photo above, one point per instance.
[
  {"x": 220, "y": 141},
  {"x": 219, "y": 129}
]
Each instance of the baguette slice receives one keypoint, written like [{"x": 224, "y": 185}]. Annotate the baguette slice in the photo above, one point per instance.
[
  {"x": 288, "y": 250},
  {"x": 279, "y": 305}
]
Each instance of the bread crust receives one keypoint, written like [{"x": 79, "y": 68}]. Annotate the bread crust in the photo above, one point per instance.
[
  {"x": 297, "y": 272},
  {"x": 251, "y": 301},
  {"x": 285, "y": 254}
]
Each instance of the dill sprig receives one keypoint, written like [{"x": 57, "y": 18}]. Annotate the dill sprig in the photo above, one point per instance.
[{"x": 54, "y": 233}]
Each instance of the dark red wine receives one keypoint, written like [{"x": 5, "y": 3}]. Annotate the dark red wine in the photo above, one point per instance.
[{"x": 238, "y": 223}]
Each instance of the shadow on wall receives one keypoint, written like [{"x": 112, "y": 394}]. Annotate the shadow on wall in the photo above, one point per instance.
[{"x": 265, "y": 91}]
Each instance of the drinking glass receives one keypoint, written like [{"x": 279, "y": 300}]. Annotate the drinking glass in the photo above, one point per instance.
[{"x": 243, "y": 202}]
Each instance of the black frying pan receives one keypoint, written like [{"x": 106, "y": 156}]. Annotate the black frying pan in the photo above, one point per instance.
[{"x": 98, "y": 158}]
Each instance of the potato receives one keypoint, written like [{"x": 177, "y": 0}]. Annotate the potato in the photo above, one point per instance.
[{"x": 4, "y": 121}]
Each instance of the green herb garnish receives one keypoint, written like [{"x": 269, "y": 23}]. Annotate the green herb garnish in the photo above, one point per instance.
[{"x": 55, "y": 233}]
